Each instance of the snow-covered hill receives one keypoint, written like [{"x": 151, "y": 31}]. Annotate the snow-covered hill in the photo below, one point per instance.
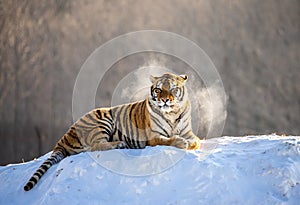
[{"x": 227, "y": 170}]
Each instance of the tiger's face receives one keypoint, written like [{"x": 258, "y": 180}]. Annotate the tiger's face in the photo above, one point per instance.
[{"x": 168, "y": 91}]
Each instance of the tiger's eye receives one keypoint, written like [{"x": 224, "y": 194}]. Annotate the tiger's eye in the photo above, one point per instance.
[
  {"x": 157, "y": 90},
  {"x": 175, "y": 90}
]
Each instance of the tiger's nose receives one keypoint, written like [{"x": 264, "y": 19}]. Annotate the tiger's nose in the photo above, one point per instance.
[{"x": 165, "y": 99}]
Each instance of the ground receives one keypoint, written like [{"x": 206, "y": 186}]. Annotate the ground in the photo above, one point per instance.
[{"x": 227, "y": 170}]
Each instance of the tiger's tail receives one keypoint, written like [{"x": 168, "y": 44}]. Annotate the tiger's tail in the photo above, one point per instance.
[{"x": 56, "y": 157}]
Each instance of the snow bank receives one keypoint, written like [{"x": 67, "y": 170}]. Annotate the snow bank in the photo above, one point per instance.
[{"x": 228, "y": 170}]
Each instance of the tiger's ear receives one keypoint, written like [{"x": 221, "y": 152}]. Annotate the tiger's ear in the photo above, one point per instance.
[
  {"x": 152, "y": 78},
  {"x": 183, "y": 77}
]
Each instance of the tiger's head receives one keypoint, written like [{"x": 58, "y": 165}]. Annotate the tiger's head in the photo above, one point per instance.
[{"x": 168, "y": 91}]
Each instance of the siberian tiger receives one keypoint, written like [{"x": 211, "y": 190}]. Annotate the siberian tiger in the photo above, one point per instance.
[{"x": 163, "y": 118}]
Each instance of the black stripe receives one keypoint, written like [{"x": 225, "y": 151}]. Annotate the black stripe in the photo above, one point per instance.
[
  {"x": 137, "y": 140},
  {"x": 71, "y": 145},
  {"x": 127, "y": 142},
  {"x": 48, "y": 163},
  {"x": 118, "y": 113},
  {"x": 185, "y": 110},
  {"x": 77, "y": 132},
  {"x": 62, "y": 148},
  {"x": 158, "y": 125},
  {"x": 153, "y": 94},
  {"x": 138, "y": 110},
  {"x": 183, "y": 129},
  {"x": 104, "y": 132},
  {"x": 110, "y": 138},
  {"x": 125, "y": 119},
  {"x": 142, "y": 114},
  {"x": 34, "y": 180},
  {"x": 106, "y": 123},
  {"x": 143, "y": 120},
  {"x": 181, "y": 115},
  {"x": 147, "y": 143},
  {"x": 44, "y": 167},
  {"x": 153, "y": 118},
  {"x": 154, "y": 110},
  {"x": 108, "y": 118},
  {"x": 189, "y": 137},
  {"x": 95, "y": 135},
  {"x": 52, "y": 159},
  {"x": 105, "y": 128},
  {"x": 179, "y": 118},
  {"x": 90, "y": 117},
  {"x": 83, "y": 127},
  {"x": 169, "y": 123},
  {"x": 87, "y": 123},
  {"x": 152, "y": 90},
  {"x": 159, "y": 114},
  {"x": 129, "y": 137},
  {"x": 182, "y": 93},
  {"x": 75, "y": 137},
  {"x": 72, "y": 134},
  {"x": 99, "y": 139},
  {"x": 117, "y": 127},
  {"x": 120, "y": 136},
  {"x": 114, "y": 132},
  {"x": 155, "y": 131},
  {"x": 110, "y": 112},
  {"x": 186, "y": 120},
  {"x": 99, "y": 114},
  {"x": 39, "y": 173},
  {"x": 131, "y": 120},
  {"x": 28, "y": 186},
  {"x": 55, "y": 160}
]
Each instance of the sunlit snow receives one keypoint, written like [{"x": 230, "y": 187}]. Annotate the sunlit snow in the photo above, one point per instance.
[{"x": 227, "y": 170}]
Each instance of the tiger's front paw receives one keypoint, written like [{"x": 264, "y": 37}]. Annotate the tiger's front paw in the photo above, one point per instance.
[
  {"x": 194, "y": 144},
  {"x": 179, "y": 142}
]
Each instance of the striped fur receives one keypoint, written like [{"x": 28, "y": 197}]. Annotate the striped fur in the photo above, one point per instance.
[{"x": 164, "y": 118}]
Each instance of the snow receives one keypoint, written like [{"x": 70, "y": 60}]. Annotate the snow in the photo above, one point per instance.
[{"x": 227, "y": 170}]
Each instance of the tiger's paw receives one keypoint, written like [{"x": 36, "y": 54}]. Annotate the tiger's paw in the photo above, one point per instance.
[
  {"x": 122, "y": 145},
  {"x": 194, "y": 144},
  {"x": 179, "y": 142}
]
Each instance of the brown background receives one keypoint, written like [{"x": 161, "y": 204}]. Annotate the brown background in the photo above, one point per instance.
[{"x": 254, "y": 45}]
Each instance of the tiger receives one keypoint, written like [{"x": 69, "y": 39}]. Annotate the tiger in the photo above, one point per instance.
[{"x": 163, "y": 118}]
